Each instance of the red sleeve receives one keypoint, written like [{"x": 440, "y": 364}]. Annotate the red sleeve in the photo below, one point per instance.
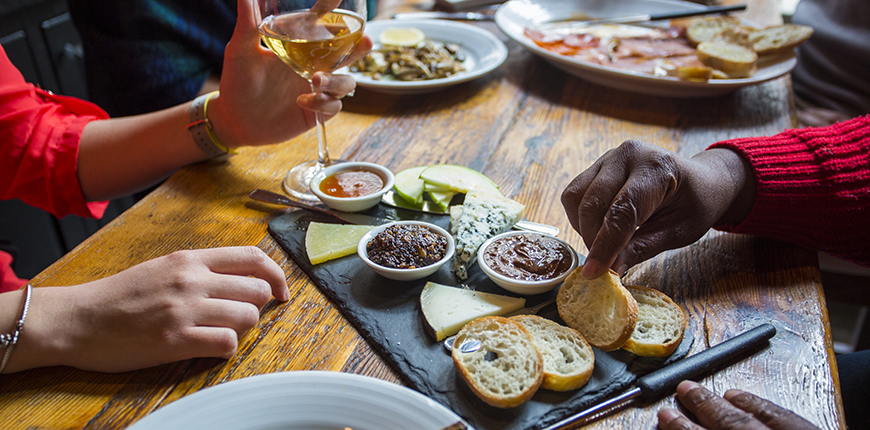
[
  {"x": 8, "y": 280},
  {"x": 39, "y": 142},
  {"x": 812, "y": 188}
]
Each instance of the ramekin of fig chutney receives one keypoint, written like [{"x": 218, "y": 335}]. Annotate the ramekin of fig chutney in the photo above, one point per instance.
[
  {"x": 528, "y": 257},
  {"x": 527, "y": 263}
]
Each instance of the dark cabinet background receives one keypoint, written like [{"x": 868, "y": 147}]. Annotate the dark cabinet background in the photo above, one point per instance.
[{"x": 41, "y": 41}]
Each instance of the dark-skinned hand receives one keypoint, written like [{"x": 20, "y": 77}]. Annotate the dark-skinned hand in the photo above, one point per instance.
[
  {"x": 639, "y": 199},
  {"x": 738, "y": 410}
]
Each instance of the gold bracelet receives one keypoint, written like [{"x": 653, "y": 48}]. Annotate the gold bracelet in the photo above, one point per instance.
[
  {"x": 9, "y": 340},
  {"x": 201, "y": 130}
]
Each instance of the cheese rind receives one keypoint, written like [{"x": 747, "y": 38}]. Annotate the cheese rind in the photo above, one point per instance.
[
  {"x": 447, "y": 309},
  {"x": 324, "y": 242}
]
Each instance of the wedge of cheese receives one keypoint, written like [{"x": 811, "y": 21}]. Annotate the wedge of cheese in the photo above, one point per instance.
[
  {"x": 325, "y": 242},
  {"x": 447, "y": 309},
  {"x": 484, "y": 214}
]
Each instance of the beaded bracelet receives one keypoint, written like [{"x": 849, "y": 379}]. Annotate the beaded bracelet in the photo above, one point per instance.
[
  {"x": 201, "y": 131},
  {"x": 9, "y": 340}
]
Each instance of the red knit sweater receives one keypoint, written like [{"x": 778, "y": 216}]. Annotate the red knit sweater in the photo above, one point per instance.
[{"x": 812, "y": 188}]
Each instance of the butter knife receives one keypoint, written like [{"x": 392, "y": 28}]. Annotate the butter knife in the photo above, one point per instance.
[
  {"x": 663, "y": 381},
  {"x": 352, "y": 218},
  {"x": 642, "y": 18},
  {"x": 462, "y": 16}
]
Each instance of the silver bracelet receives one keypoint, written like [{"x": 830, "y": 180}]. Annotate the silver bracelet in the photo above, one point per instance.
[{"x": 9, "y": 340}]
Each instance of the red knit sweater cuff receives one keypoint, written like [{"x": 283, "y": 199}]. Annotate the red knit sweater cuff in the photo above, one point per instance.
[{"x": 812, "y": 187}]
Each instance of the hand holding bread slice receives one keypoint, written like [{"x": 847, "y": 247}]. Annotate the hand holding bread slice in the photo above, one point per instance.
[
  {"x": 601, "y": 309},
  {"x": 641, "y": 320}
]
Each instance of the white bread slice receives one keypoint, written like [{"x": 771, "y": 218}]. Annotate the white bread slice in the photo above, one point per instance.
[
  {"x": 780, "y": 38},
  {"x": 508, "y": 368},
  {"x": 568, "y": 359},
  {"x": 735, "y": 35},
  {"x": 735, "y": 60},
  {"x": 661, "y": 324},
  {"x": 601, "y": 309},
  {"x": 705, "y": 29}
]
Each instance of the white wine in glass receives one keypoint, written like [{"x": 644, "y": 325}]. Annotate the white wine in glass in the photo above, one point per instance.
[{"x": 311, "y": 36}]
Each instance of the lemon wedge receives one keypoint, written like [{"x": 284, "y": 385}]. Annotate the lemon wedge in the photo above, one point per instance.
[{"x": 401, "y": 36}]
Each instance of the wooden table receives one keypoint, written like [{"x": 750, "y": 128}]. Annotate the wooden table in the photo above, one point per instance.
[{"x": 529, "y": 127}]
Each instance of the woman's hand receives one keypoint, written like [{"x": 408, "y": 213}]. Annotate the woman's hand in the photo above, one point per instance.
[
  {"x": 639, "y": 199},
  {"x": 184, "y": 305},
  {"x": 737, "y": 411},
  {"x": 262, "y": 100}
]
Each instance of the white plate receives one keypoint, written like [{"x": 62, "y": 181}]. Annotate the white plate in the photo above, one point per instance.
[
  {"x": 516, "y": 15},
  {"x": 304, "y": 400},
  {"x": 483, "y": 50}
]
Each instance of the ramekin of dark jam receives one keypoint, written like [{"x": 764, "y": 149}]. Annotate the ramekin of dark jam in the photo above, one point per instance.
[
  {"x": 406, "y": 250},
  {"x": 526, "y": 262},
  {"x": 407, "y": 246}
]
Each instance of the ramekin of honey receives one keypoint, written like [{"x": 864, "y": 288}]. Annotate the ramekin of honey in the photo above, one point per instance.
[{"x": 352, "y": 186}]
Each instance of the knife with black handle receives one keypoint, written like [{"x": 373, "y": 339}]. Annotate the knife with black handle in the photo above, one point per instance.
[
  {"x": 665, "y": 380},
  {"x": 352, "y": 218}
]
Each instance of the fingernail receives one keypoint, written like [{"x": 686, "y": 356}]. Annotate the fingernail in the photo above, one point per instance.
[
  {"x": 590, "y": 269},
  {"x": 730, "y": 394},
  {"x": 622, "y": 270},
  {"x": 687, "y": 386},
  {"x": 667, "y": 415}
]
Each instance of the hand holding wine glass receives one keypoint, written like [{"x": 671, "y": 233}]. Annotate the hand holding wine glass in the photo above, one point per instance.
[
  {"x": 311, "y": 36},
  {"x": 261, "y": 100}
]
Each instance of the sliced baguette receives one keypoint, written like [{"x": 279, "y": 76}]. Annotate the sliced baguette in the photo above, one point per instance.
[
  {"x": 661, "y": 324},
  {"x": 508, "y": 368},
  {"x": 735, "y": 60},
  {"x": 601, "y": 309},
  {"x": 568, "y": 359},
  {"x": 780, "y": 38},
  {"x": 705, "y": 29}
]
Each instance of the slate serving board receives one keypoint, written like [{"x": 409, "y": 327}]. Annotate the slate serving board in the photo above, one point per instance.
[{"x": 387, "y": 314}]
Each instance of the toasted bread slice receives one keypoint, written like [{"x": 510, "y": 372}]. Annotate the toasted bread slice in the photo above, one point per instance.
[
  {"x": 735, "y": 60},
  {"x": 508, "y": 368},
  {"x": 601, "y": 309},
  {"x": 735, "y": 35},
  {"x": 778, "y": 39},
  {"x": 661, "y": 324},
  {"x": 705, "y": 29},
  {"x": 568, "y": 359}
]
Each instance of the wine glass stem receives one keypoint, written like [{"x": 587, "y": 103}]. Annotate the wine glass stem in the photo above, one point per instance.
[{"x": 322, "y": 149}]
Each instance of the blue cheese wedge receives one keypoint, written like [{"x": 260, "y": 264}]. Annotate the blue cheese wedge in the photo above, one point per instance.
[
  {"x": 447, "y": 309},
  {"x": 484, "y": 214}
]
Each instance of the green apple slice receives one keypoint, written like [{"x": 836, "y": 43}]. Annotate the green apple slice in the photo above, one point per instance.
[
  {"x": 409, "y": 186},
  {"x": 456, "y": 178},
  {"x": 442, "y": 198}
]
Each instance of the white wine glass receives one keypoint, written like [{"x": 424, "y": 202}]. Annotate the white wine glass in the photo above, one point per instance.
[{"x": 311, "y": 36}]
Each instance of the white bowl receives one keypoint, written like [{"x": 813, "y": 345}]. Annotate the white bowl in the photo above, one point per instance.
[
  {"x": 520, "y": 286},
  {"x": 405, "y": 274},
  {"x": 352, "y": 204}
]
